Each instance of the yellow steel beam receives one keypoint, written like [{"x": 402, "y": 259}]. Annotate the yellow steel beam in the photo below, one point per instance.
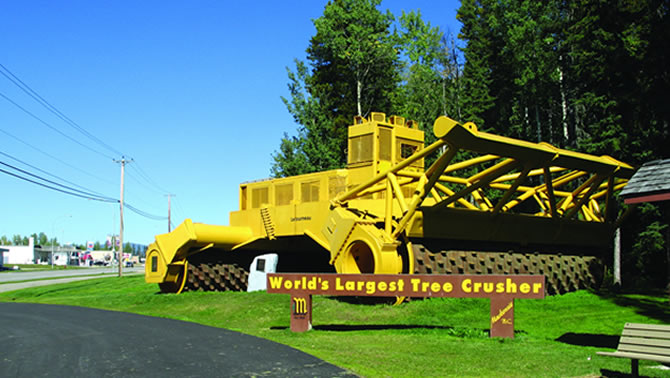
[
  {"x": 388, "y": 199},
  {"x": 532, "y": 173},
  {"x": 382, "y": 175},
  {"x": 482, "y": 180},
  {"x": 469, "y": 138},
  {"x": 400, "y": 197},
  {"x": 595, "y": 207},
  {"x": 470, "y": 162},
  {"x": 569, "y": 200},
  {"x": 537, "y": 197},
  {"x": 513, "y": 163},
  {"x": 617, "y": 187},
  {"x": 443, "y": 178},
  {"x": 595, "y": 182},
  {"x": 511, "y": 190},
  {"x": 482, "y": 201},
  {"x": 494, "y": 171},
  {"x": 550, "y": 191},
  {"x": 435, "y": 194},
  {"x": 426, "y": 183},
  {"x": 567, "y": 178},
  {"x": 525, "y": 189},
  {"x": 547, "y": 186},
  {"x": 381, "y": 186},
  {"x": 521, "y": 198},
  {"x": 450, "y": 193}
]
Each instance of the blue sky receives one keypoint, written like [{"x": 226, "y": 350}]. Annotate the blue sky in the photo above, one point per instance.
[{"x": 189, "y": 90}]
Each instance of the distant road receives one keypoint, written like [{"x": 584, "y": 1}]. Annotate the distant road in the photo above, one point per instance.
[
  {"x": 41, "y": 274},
  {"x": 51, "y": 277}
]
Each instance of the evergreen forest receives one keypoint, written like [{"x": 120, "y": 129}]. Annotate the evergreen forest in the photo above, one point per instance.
[{"x": 585, "y": 75}]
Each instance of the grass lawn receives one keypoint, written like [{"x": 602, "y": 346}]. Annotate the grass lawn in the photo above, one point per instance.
[{"x": 556, "y": 336}]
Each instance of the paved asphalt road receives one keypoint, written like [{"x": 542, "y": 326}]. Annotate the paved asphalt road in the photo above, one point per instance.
[
  {"x": 6, "y": 278},
  {"x": 38, "y": 274},
  {"x": 38, "y": 340}
]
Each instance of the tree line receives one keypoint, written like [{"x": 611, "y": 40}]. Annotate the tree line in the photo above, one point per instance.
[
  {"x": 587, "y": 75},
  {"x": 42, "y": 240},
  {"x": 38, "y": 239}
]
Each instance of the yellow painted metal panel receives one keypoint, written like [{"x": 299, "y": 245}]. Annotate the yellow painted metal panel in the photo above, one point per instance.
[
  {"x": 468, "y": 137},
  {"x": 259, "y": 197},
  {"x": 283, "y": 194},
  {"x": 310, "y": 191},
  {"x": 385, "y": 143}
]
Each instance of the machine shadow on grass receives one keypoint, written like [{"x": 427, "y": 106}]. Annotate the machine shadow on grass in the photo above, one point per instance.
[
  {"x": 650, "y": 308},
  {"x": 365, "y": 300},
  {"x": 466, "y": 333},
  {"x": 368, "y": 327}
]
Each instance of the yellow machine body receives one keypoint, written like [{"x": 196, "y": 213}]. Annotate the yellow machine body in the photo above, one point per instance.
[{"x": 365, "y": 218}]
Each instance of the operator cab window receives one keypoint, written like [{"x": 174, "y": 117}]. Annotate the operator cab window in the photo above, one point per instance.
[{"x": 407, "y": 150}]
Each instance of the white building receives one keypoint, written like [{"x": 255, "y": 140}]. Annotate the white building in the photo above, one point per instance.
[
  {"x": 2, "y": 256},
  {"x": 102, "y": 257},
  {"x": 19, "y": 254},
  {"x": 63, "y": 258}
]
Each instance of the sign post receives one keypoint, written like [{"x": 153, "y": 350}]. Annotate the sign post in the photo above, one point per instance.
[
  {"x": 301, "y": 313},
  {"x": 502, "y": 317},
  {"x": 501, "y": 289}
]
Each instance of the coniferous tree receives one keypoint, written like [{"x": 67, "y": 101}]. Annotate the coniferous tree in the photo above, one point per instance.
[
  {"x": 588, "y": 74},
  {"x": 351, "y": 70},
  {"x": 477, "y": 78},
  {"x": 420, "y": 97}
]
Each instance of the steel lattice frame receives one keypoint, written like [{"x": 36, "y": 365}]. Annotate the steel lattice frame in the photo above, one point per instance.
[{"x": 574, "y": 186}]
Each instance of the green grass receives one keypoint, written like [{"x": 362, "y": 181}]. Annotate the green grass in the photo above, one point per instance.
[
  {"x": 556, "y": 336},
  {"x": 37, "y": 267}
]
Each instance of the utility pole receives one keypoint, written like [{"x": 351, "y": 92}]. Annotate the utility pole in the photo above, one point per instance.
[
  {"x": 119, "y": 258},
  {"x": 169, "y": 196}
]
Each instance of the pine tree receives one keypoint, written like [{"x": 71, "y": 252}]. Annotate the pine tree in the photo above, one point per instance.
[
  {"x": 477, "y": 98},
  {"x": 351, "y": 70}
]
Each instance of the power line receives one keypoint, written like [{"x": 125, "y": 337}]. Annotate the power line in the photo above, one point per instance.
[
  {"x": 82, "y": 193},
  {"x": 144, "y": 213},
  {"x": 66, "y": 189},
  {"x": 73, "y": 192},
  {"x": 148, "y": 179},
  {"x": 55, "y": 158},
  {"x": 29, "y": 91},
  {"x": 54, "y": 188},
  {"x": 52, "y": 127},
  {"x": 181, "y": 210},
  {"x": 141, "y": 184},
  {"x": 9, "y": 75},
  {"x": 50, "y": 187},
  {"x": 47, "y": 173}
]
